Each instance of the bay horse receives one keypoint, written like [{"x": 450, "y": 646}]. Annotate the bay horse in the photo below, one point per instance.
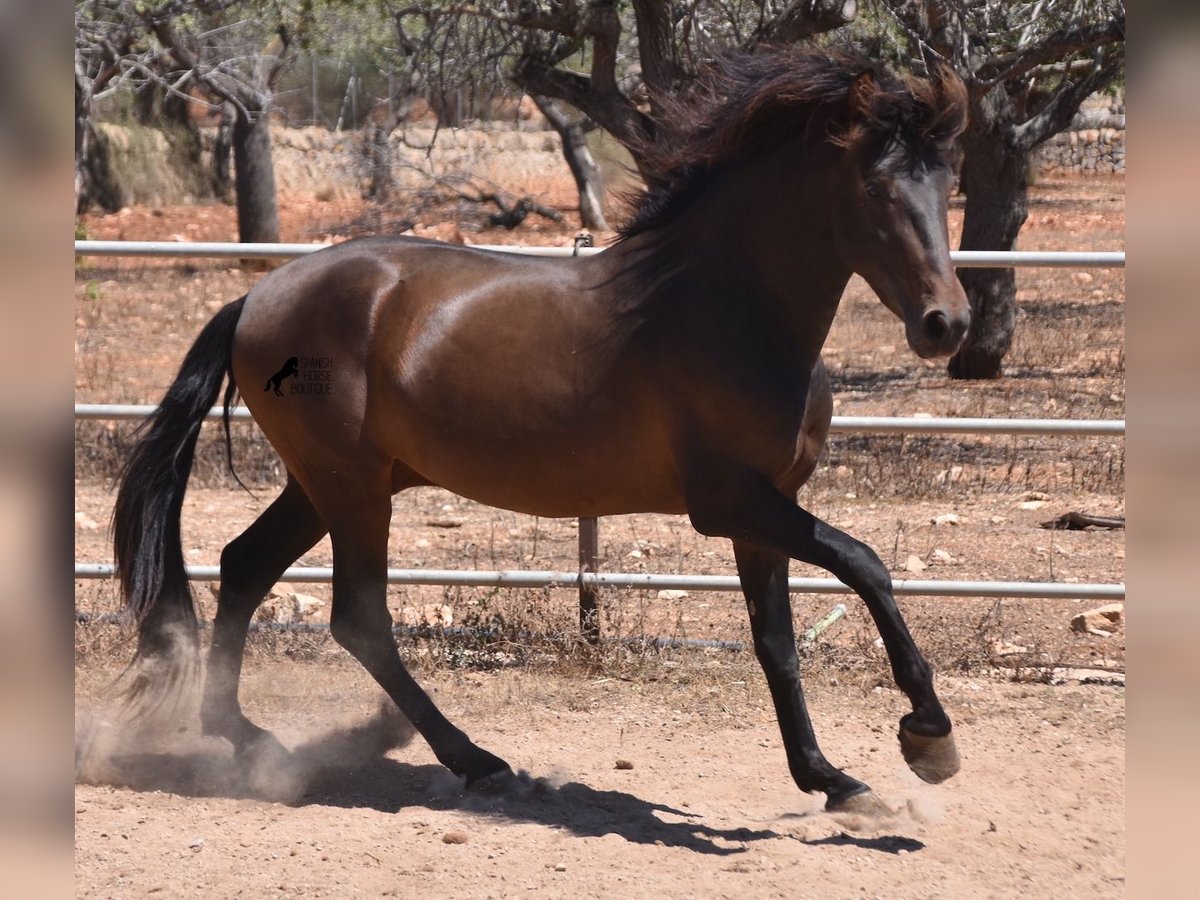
[{"x": 677, "y": 372}]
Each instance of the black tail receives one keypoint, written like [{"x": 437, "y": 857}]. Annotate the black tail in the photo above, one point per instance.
[{"x": 146, "y": 519}]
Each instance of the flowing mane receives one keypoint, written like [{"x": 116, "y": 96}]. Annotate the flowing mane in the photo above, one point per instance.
[{"x": 748, "y": 103}]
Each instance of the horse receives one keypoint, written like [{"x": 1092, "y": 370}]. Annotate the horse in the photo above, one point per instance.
[{"x": 677, "y": 372}]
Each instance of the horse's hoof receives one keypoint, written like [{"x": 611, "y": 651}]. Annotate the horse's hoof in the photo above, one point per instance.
[
  {"x": 934, "y": 759},
  {"x": 861, "y": 808},
  {"x": 262, "y": 748},
  {"x": 493, "y": 782}
]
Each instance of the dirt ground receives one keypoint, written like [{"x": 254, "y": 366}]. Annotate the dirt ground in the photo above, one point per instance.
[{"x": 704, "y": 806}]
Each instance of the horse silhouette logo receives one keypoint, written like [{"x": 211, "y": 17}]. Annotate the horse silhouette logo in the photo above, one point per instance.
[{"x": 289, "y": 370}]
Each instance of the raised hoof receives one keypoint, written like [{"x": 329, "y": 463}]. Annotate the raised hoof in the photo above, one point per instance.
[{"x": 934, "y": 759}]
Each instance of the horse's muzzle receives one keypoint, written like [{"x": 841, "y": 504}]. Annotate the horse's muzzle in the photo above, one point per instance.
[{"x": 939, "y": 332}]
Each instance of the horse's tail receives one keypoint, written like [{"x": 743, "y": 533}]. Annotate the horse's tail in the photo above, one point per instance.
[{"x": 146, "y": 518}]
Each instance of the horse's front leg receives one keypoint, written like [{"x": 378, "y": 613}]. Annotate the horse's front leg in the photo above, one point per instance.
[
  {"x": 751, "y": 510},
  {"x": 764, "y": 582}
]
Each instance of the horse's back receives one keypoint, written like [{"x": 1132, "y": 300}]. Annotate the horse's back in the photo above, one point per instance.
[
  {"x": 512, "y": 380},
  {"x": 504, "y": 378}
]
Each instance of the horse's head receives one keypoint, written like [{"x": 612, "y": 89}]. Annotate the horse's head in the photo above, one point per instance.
[{"x": 890, "y": 220}]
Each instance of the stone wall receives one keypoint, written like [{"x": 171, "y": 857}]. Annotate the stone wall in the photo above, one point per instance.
[
  {"x": 1093, "y": 150},
  {"x": 316, "y": 162},
  {"x": 1095, "y": 143}
]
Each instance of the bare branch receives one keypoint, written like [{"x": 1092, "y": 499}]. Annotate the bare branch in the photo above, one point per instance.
[
  {"x": 1057, "y": 112},
  {"x": 803, "y": 19},
  {"x": 1054, "y": 48},
  {"x": 245, "y": 98}
]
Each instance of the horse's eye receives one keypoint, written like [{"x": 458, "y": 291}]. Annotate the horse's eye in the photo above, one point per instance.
[{"x": 873, "y": 189}]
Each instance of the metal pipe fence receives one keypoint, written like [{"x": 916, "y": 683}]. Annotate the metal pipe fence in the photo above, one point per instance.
[
  {"x": 533, "y": 578},
  {"x": 842, "y": 424},
  {"x": 966, "y": 259},
  {"x": 587, "y": 581}
]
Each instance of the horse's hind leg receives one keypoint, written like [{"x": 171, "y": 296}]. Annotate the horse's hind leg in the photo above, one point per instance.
[
  {"x": 250, "y": 565},
  {"x": 764, "y": 582},
  {"x": 358, "y": 516}
]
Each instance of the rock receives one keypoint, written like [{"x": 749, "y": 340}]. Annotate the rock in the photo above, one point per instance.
[
  {"x": 1102, "y": 621},
  {"x": 914, "y": 564},
  {"x": 84, "y": 522},
  {"x": 672, "y": 595},
  {"x": 304, "y": 606},
  {"x": 943, "y": 556},
  {"x": 454, "y": 837},
  {"x": 624, "y": 764},
  {"x": 1004, "y": 648},
  {"x": 946, "y": 519},
  {"x": 275, "y": 610},
  {"x": 1032, "y": 504}
]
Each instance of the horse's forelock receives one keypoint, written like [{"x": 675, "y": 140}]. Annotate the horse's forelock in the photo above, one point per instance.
[
  {"x": 930, "y": 112},
  {"x": 939, "y": 106}
]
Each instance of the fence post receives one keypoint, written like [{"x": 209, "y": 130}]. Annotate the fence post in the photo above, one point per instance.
[
  {"x": 589, "y": 594},
  {"x": 589, "y": 533}
]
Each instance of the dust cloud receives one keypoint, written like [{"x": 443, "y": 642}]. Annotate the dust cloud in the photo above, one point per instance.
[{"x": 168, "y": 753}]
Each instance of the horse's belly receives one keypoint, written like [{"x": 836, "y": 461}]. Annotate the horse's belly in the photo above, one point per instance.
[{"x": 543, "y": 465}]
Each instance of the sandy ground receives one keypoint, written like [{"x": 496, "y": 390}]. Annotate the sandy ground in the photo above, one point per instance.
[
  {"x": 704, "y": 809},
  {"x": 703, "y": 805}
]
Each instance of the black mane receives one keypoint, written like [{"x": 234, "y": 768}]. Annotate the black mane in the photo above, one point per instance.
[{"x": 750, "y": 102}]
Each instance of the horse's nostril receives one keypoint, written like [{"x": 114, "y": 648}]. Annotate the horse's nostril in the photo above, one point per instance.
[{"x": 937, "y": 326}]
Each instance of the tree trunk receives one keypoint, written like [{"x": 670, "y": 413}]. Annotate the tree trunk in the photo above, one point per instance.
[
  {"x": 995, "y": 172},
  {"x": 655, "y": 48},
  {"x": 83, "y": 139},
  {"x": 580, "y": 161},
  {"x": 379, "y": 159},
  {"x": 222, "y": 151},
  {"x": 258, "y": 220}
]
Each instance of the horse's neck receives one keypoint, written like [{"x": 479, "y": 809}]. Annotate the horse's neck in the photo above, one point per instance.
[{"x": 769, "y": 243}]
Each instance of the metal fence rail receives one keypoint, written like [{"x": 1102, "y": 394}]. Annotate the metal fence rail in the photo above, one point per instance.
[
  {"x": 230, "y": 250},
  {"x": 531, "y": 578},
  {"x": 843, "y": 424}
]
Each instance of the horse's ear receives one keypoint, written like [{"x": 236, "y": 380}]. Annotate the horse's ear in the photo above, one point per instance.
[
  {"x": 862, "y": 91},
  {"x": 952, "y": 100}
]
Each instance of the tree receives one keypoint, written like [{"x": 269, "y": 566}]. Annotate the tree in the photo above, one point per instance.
[
  {"x": 193, "y": 52},
  {"x": 109, "y": 50},
  {"x": 613, "y": 62},
  {"x": 572, "y": 131},
  {"x": 1028, "y": 66},
  {"x": 628, "y": 75},
  {"x": 244, "y": 80}
]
